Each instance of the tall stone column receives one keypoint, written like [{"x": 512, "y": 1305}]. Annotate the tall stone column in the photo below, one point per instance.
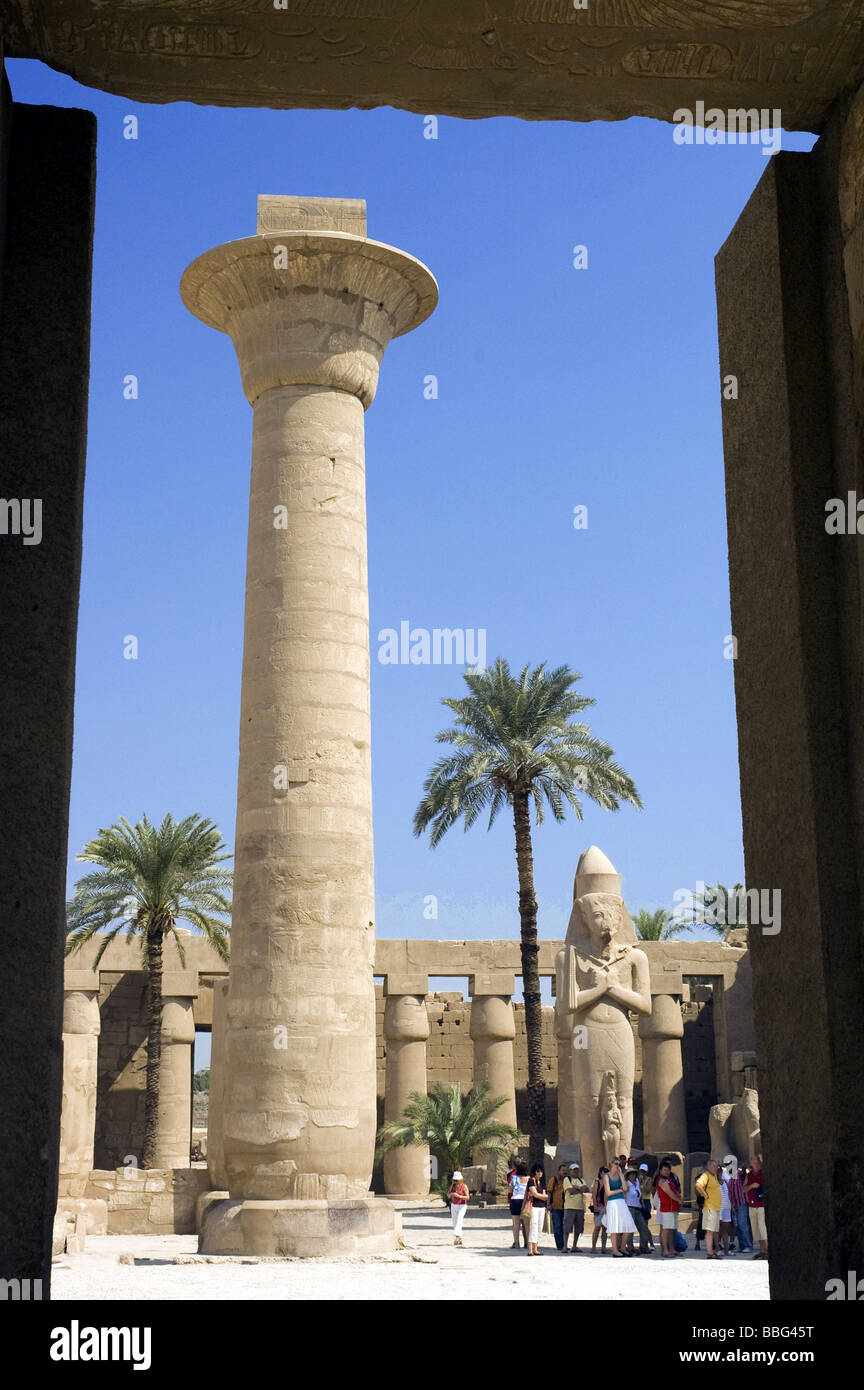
[
  {"x": 310, "y": 305},
  {"x": 47, "y": 182},
  {"x": 81, "y": 1027},
  {"x": 664, "y": 1115},
  {"x": 174, "y": 1115},
  {"x": 796, "y": 590},
  {"x": 215, "y": 1111},
  {"x": 568, "y": 1130},
  {"x": 406, "y": 1029},
  {"x": 492, "y": 1026}
]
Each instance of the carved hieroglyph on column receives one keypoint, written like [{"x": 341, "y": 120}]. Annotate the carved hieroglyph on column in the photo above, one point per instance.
[
  {"x": 600, "y": 976},
  {"x": 406, "y": 1029},
  {"x": 81, "y": 1027},
  {"x": 310, "y": 313}
]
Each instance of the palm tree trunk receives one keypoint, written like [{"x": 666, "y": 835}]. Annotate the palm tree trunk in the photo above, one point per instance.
[
  {"x": 154, "y": 1045},
  {"x": 530, "y": 977}
]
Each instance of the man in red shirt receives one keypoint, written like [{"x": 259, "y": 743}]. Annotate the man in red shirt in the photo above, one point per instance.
[
  {"x": 670, "y": 1200},
  {"x": 754, "y": 1195}
]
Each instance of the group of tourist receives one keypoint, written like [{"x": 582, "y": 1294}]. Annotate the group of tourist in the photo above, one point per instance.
[
  {"x": 622, "y": 1199},
  {"x": 731, "y": 1206}
]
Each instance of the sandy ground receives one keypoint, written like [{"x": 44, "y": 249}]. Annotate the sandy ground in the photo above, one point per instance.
[{"x": 430, "y": 1267}]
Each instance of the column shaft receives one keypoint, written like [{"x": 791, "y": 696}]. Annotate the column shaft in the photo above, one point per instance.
[
  {"x": 80, "y": 1061},
  {"x": 406, "y": 1029},
  {"x": 300, "y": 1089},
  {"x": 48, "y": 166},
  {"x": 310, "y": 313},
  {"x": 493, "y": 1029},
  {"x": 664, "y": 1115},
  {"x": 791, "y": 445},
  {"x": 567, "y": 1119},
  {"x": 174, "y": 1136},
  {"x": 216, "y": 1106}
]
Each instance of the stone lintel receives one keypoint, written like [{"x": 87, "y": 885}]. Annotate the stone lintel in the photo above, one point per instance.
[
  {"x": 81, "y": 980},
  {"x": 279, "y": 212},
  {"x": 537, "y": 59},
  {"x": 491, "y": 982},
  {"x": 403, "y": 982},
  {"x": 179, "y": 983}
]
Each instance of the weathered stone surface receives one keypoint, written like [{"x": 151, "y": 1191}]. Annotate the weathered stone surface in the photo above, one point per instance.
[
  {"x": 363, "y": 1226},
  {"x": 541, "y": 59},
  {"x": 93, "y": 1210},
  {"x": 792, "y": 442},
  {"x": 600, "y": 977},
  {"x": 664, "y": 1114},
  {"x": 310, "y": 314},
  {"x": 408, "y": 958},
  {"x": 148, "y": 1201},
  {"x": 406, "y": 1029},
  {"x": 48, "y": 165},
  {"x": 80, "y": 1052}
]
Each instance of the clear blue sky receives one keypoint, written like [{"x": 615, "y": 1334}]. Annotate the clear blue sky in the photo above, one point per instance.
[{"x": 557, "y": 388}]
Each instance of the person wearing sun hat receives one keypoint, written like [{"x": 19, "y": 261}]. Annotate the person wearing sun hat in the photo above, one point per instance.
[
  {"x": 574, "y": 1206},
  {"x": 458, "y": 1205}
]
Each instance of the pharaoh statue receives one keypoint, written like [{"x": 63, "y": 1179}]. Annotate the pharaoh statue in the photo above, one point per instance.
[{"x": 600, "y": 975}]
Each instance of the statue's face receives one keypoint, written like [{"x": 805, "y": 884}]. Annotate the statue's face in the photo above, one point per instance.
[{"x": 600, "y": 913}]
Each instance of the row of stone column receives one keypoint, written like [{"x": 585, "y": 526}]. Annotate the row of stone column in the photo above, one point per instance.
[
  {"x": 492, "y": 1028},
  {"x": 81, "y": 1028}
]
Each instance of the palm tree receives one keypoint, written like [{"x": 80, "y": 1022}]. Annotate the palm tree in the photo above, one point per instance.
[
  {"x": 720, "y": 909},
  {"x": 514, "y": 746},
  {"x": 147, "y": 879},
  {"x": 453, "y": 1126},
  {"x": 657, "y": 926}
]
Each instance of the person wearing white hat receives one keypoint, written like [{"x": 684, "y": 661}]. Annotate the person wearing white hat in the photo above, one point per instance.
[
  {"x": 458, "y": 1205},
  {"x": 646, "y": 1193}
]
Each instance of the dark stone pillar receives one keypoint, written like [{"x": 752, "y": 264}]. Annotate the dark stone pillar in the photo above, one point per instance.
[
  {"x": 44, "y": 364},
  {"x": 791, "y": 443}
]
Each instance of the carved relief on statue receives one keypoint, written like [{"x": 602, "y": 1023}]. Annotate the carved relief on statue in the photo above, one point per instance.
[{"x": 611, "y": 1120}]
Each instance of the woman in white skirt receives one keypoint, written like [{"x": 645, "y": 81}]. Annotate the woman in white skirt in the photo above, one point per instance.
[
  {"x": 536, "y": 1197},
  {"x": 619, "y": 1222}
]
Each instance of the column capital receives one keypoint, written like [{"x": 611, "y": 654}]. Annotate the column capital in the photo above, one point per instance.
[
  {"x": 406, "y": 1018},
  {"x": 665, "y": 1019},
  {"x": 309, "y": 307}
]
